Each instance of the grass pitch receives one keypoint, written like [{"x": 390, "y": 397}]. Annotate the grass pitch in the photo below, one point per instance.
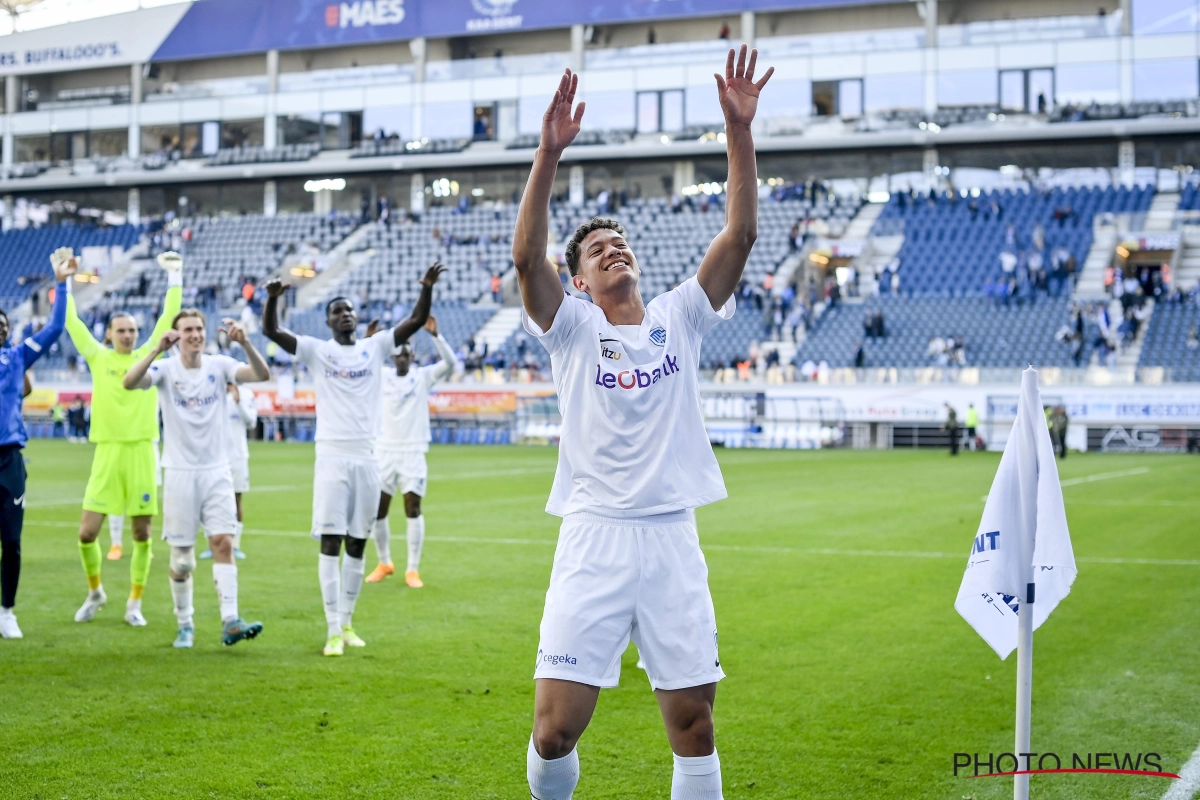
[{"x": 834, "y": 576}]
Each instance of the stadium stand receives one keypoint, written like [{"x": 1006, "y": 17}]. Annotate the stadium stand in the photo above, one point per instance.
[
  {"x": 918, "y": 330},
  {"x": 25, "y": 253},
  {"x": 224, "y": 252},
  {"x": 397, "y": 147},
  {"x": 1172, "y": 341},
  {"x": 952, "y": 244}
]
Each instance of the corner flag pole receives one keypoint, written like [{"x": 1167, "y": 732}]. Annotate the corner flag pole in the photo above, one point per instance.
[{"x": 1024, "y": 686}]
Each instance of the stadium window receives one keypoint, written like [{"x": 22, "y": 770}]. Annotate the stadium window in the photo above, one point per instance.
[
  {"x": 1030, "y": 91},
  {"x": 1164, "y": 79},
  {"x": 484, "y": 125},
  {"x": 1163, "y": 16},
  {"x": 842, "y": 98},
  {"x": 108, "y": 143},
  {"x": 32, "y": 148},
  {"x": 648, "y": 119},
  {"x": 660, "y": 111},
  {"x": 160, "y": 138},
  {"x": 242, "y": 133}
]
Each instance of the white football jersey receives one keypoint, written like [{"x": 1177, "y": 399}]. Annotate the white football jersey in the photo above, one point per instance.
[
  {"x": 347, "y": 380},
  {"x": 240, "y": 416},
  {"x": 193, "y": 410},
  {"x": 633, "y": 440},
  {"x": 406, "y": 402}
]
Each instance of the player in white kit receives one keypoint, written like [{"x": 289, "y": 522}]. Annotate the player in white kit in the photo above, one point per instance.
[
  {"x": 197, "y": 484},
  {"x": 634, "y": 458},
  {"x": 403, "y": 443},
  {"x": 347, "y": 373},
  {"x": 241, "y": 415}
]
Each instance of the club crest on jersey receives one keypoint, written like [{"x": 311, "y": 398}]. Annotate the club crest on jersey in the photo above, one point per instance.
[
  {"x": 212, "y": 378},
  {"x": 658, "y": 335}
]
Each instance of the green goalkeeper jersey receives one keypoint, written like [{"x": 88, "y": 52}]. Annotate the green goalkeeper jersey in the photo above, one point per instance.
[{"x": 118, "y": 414}]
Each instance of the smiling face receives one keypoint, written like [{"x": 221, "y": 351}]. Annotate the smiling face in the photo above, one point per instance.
[
  {"x": 605, "y": 263},
  {"x": 191, "y": 334},
  {"x": 340, "y": 316},
  {"x": 123, "y": 333}
]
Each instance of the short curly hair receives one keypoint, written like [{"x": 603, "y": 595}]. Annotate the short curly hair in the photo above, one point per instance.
[{"x": 593, "y": 224}]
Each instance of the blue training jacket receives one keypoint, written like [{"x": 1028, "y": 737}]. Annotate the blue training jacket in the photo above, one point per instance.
[{"x": 15, "y": 360}]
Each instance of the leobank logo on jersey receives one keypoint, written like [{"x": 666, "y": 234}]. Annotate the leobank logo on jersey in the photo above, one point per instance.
[
  {"x": 365, "y": 372},
  {"x": 364, "y": 12},
  {"x": 635, "y": 378}
]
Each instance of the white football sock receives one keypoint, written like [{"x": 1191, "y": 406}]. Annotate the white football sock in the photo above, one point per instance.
[
  {"x": 352, "y": 581},
  {"x": 182, "y": 592},
  {"x": 331, "y": 588},
  {"x": 383, "y": 536},
  {"x": 697, "y": 778},
  {"x": 237, "y": 535},
  {"x": 225, "y": 579},
  {"x": 116, "y": 527},
  {"x": 552, "y": 780},
  {"x": 416, "y": 537}
]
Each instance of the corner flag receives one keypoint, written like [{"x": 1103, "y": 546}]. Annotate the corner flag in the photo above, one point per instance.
[{"x": 1022, "y": 550}]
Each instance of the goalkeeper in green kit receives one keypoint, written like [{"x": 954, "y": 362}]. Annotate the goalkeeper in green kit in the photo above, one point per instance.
[{"x": 124, "y": 479}]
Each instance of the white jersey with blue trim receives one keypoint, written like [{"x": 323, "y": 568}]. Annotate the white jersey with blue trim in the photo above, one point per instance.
[
  {"x": 347, "y": 380},
  {"x": 633, "y": 440},
  {"x": 193, "y": 410}
]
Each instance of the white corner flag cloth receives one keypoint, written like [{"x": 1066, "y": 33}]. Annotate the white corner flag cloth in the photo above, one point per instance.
[{"x": 1023, "y": 535}]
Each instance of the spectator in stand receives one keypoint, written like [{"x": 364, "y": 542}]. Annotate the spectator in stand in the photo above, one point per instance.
[
  {"x": 497, "y": 285},
  {"x": 724, "y": 32},
  {"x": 860, "y": 357},
  {"x": 1193, "y": 339}
]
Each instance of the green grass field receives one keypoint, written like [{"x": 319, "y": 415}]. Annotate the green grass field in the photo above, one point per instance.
[{"x": 834, "y": 576}]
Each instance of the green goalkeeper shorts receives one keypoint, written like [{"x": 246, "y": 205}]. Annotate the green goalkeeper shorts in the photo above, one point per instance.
[{"x": 124, "y": 480}]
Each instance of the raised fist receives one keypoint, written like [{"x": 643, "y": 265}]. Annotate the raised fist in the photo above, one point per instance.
[
  {"x": 170, "y": 261},
  {"x": 64, "y": 263},
  {"x": 168, "y": 340},
  {"x": 276, "y": 287},
  {"x": 234, "y": 331}
]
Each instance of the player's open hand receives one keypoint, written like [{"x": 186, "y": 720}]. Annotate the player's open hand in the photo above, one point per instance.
[
  {"x": 372, "y": 327},
  {"x": 235, "y": 332},
  {"x": 168, "y": 340},
  {"x": 431, "y": 325},
  {"x": 276, "y": 287},
  {"x": 559, "y": 125},
  {"x": 170, "y": 261},
  {"x": 432, "y": 274},
  {"x": 64, "y": 262},
  {"x": 737, "y": 91}
]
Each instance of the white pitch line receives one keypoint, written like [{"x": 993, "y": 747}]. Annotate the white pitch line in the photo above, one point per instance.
[
  {"x": 1104, "y": 476},
  {"x": 1189, "y": 780}
]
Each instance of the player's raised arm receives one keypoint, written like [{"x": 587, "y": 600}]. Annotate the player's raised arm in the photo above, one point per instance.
[
  {"x": 172, "y": 262},
  {"x": 725, "y": 260},
  {"x": 420, "y": 312},
  {"x": 541, "y": 290},
  {"x": 81, "y": 335},
  {"x": 33, "y": 347},
  {"x": 446, "y": 358},
  {"x": 270, "y": 318},
  {"x": 257, "y": 369},
  {"x": 136, "y": 377}
]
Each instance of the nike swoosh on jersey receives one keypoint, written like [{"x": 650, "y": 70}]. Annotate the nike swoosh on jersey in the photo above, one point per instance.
[{"x": 19, "y": 501}]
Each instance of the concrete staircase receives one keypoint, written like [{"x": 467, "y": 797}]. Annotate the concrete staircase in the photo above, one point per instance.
[
  {"x": 860, "y": 226},
  {"x": 1161, "y": 215},
  {"x": 1127, "y": 359},
  {"x": 1090, "y": 284},
  {"x": 1187, "y": 268},
  {"x": 879, "y": 251},
  {"x": 343, "y": 258},
  {"x": 499, "y": 327}
]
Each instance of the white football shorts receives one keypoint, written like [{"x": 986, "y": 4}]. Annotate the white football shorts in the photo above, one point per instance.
[
  {"x": 240, "y": 468},
  {"x": 615, "y": 579},
  {"x": 345, "y": 496},
  {"x": 404, "y": 471},
  {"x": 197, "y": 497}
]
